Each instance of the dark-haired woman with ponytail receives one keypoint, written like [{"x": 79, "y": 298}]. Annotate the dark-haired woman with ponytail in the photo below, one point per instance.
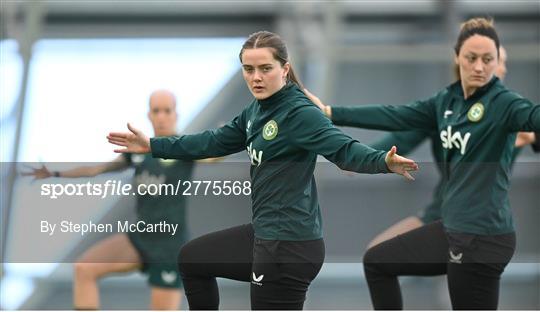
[
  {"x": 477, "y": 119},
  {"x": 282, "y": 250}
]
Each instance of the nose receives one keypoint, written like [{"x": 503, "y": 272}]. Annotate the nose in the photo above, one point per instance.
[
  {"x": 257, "y": 75},
  {"x": 478, "y": 65}
]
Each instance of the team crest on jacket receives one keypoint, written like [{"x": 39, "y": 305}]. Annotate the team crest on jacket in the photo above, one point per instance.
[
  {"x": 270, "y": 130},
  {"x": 476, "y": 112}
]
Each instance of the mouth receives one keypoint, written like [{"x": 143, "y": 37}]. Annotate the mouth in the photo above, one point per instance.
[
  {"x": 258, "y": 89},
  {"x": 477, "y": 77}
]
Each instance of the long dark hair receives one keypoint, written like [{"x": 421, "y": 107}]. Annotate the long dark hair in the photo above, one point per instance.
[{"x": 266, "y": 39}]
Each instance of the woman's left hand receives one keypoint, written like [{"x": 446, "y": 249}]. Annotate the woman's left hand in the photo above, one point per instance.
[{"x": 399, "y": 164}]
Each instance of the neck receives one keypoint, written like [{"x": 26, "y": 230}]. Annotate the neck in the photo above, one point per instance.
[{"x": 467, "y": 91}]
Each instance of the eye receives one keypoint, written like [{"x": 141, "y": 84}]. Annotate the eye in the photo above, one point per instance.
[
  {"x": 471, "y": 58},
  {"x": 487, "y": 60},
  {"x": 248, "y": 69},
  {"x": 267, "y": 69}
]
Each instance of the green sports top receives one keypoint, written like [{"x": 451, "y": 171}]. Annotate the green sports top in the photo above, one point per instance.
[
  {"x": 171, "y": 208},
  {"x": 477, "y": 136},
  {"x": 283, "y": 135},
  {"x": 406, "y": 142}
]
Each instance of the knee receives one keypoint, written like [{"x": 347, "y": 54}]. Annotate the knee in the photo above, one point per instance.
[
  {"x": 186, "y": 259},
  {"x": 372, "y": 260},
  {"x": 371, "y": 256},
  {"x": 84, "y": 271}
]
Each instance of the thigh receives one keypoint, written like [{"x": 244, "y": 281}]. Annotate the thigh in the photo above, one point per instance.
[
  {"x": 282, "y": 273},
  {"x": 403, "y": 226},
  {"x": 112, "y": 254},
  {"x": 227, "y": 253},
  {"x": 422, "y": 251},
  {"x": 475, "y": 265}
]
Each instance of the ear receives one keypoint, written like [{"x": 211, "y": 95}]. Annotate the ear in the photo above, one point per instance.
[
  {"x": 148, "y": 115},
  {"x": 286, "y": 69},
  {"x": 456, "y": 59}
]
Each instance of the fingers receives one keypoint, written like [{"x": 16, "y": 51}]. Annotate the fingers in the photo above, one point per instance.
[
  {"x": 314, "y": 99},
  {"x": 408, "y": 176},
  {"x": 123, "y": 150},
  {"x": 119, "y": 135},
  {"x": 27, "y": 166},
  {"x": 407, "y": 164},
  {"x": 117, "y": 141},
  {"x": 309, "y": 94},
  {"x": 389, "y": 158},
  {"x": 132, "y": 129}
]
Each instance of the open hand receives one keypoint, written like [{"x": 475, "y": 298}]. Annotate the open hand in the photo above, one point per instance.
[
  {"x": 399, "y": 164},
  {"x": 38, "y": 173},
  {"x": 134, "y": 141}
]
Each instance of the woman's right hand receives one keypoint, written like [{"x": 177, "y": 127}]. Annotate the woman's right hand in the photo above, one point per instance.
[
  {"x": 38, "y": 173},
  {"x": 325, "y": 108},
  {"x": 134, "y": 141}
]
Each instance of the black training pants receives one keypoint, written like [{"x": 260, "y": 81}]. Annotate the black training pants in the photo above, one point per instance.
[
  {"x": 280, "y": 272},
  {"x": 473, "y": 265}
]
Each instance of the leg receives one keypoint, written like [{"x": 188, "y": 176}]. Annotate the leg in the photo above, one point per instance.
[
  {"x": 419, "y": 252},
  {"x": 227, "y": 253},
  {"x": 475, "y": 268},
  {"x": 403, "y": 226},
  {"x": 113, "y": 254},
  {"x": 165, "y": 283},
  {"x": 282, "y": 273},
  {"x": 165, "y": 298}
]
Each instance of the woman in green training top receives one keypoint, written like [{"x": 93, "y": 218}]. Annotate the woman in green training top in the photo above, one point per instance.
[
  {"x": 477, "y": 119},
  {"x": 407, "y": 141},
  {"x": 282, "y": 251}
]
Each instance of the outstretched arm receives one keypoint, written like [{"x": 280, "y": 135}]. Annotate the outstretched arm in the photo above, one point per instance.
[
  {"x": 118, "y": 163},
  {"x": 419, "y": 115},
  {"x": 312, "y": 131},
  {"x": 223, "y": 141}
]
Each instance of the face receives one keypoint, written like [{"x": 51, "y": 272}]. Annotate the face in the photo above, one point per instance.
[
  {"x": 263, "y": 74},
  {"x": 162, "y": 113},
  {"x": 501, "y": 69},
  {"x": 477, "y": 61}
]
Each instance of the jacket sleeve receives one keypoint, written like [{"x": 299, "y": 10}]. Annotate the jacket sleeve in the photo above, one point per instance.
[
  {"x": 405, "y": 141},
  {"x": 226, "y": 140},
  {"x": 419, "y": 115},
  {"x": 520, "y": 114},
  {"x": 309, "y": 129}
]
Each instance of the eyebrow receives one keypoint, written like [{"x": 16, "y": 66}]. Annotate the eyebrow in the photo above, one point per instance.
[
  {"x": 262, "y": 65},
  {"x": 472, "y": 53}
]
